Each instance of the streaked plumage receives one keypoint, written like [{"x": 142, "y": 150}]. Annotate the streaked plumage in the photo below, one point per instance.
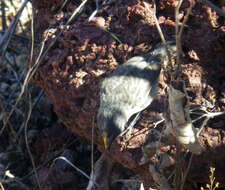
[{"x": 128, "y": 90}]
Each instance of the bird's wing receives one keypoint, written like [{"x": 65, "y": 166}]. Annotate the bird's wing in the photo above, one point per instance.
[{"x": 128, "y": 88}]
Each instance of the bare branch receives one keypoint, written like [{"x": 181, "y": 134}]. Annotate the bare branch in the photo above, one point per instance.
[
  {"x": 6, "y": 37},
  {"x": 217, "y": 9},
  {"x": 153, "y": 12},
  {"x": 159, "y": 179},
  {"x": 40, "y": 57},
  {"x": 178, "y": 43}
]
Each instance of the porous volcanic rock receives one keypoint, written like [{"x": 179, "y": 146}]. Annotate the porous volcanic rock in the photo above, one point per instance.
[{"x": 86, "y": 52}]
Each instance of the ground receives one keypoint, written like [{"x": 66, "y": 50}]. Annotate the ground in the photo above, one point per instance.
[{"x": 86, "y": 52}]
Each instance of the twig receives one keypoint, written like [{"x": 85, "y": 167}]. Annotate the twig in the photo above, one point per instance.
[
  {"x": 19, "y": 37},
  {"x": 159, "y": 179},
  {"x": 95, "y": 11},
  {"x": 179, "y": 31},
  {"x": 178, "y": 166},
  {"x": 186, "y": 172},
  {"x": 217, "y": 9},
  {"x": 158, "y": 122},
  {"x": 186, "y": 19},
  {"x": 208, "y": 115},
  {"x": 26, "y": 140},
  {"x": 153, "y": 12},
  {"x": 11, "y": 180},
  {"x": 29, "y": 75},
  {"x": 48, "y": 161},
  {"x": 40, "y": 57},
  {"x": 19, "y": 82},
  {"x": 73, "y": 166},
  {"x": 32, "y": 35},
  {"x": 128, "y": 180},
  {"x": 38, "y": 98},
  {"x": 92, "y": 158},
  {"x": 105, "y": 2},
  {"x": 4, "y": 41},
  {"x": 12, "y": 66},
  {"x": 101, "y": 173},
  {"x": 4, "y": 26},
  {"x": 1, "y": 186},
  {"x": 12, "y": 4},
  {"x": 202, "y": 126},
  {"x": 77, "y": 11},
  {"x": 178, "y": 44},
  {"x": 63, "y": 5}
]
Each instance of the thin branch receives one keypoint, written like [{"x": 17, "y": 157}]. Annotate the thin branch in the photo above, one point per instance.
[
  {"x": 26, "y": 140},
  {"x": 179, "y": 31},
  {"x": 217, "y": 9},
  {"x": 37, "y": 99},
  {"x": 48, "y": 161},
  {"x": 178, "y": 43},
  {"x": 4, "y": 25},
  {"x": 39, "y": 59},
  {"x": 11, "y": 180},
  {"x": 4, "y": 41},
  {"x": 63, "y": 5},
  {"x": 153, "y": 12},
  {"x": 105, "y": 2},
  {"x": 207, "y": 114},
  {"x": 186, "y": 172},
  {"x": 73, "y": 166},
  {"x": 128, "y": 180},
  {"x": 77, "y": 11},
  {"x": 159, "y": 179},
  {"x": 32, "y": 35},
  {"x": 12, "y": 65},
  {"x": 29, "y": 75},
  {"x": 95, "y": 11},
  {"x": 90, "y": 183},
  {"x": 202, "y": 126},
  {"x": 186, "y": 18},
  {"x": 19, "y": 82}
]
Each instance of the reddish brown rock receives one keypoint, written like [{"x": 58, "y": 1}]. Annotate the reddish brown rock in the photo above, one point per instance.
[{"x": 84, "y": 54}]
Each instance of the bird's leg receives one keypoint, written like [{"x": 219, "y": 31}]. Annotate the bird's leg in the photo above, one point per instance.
[{"x": 131, "y": 125}]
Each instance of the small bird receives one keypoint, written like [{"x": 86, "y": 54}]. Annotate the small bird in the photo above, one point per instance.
[{"x": 129, "y": 90}]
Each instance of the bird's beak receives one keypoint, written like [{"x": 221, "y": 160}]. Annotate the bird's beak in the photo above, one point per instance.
[{"x": 105, "y": 142}]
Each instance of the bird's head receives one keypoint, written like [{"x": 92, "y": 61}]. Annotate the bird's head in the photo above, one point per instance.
[
  {"x": 111, "y": 124},
  {"x": 160, "y": 51}
]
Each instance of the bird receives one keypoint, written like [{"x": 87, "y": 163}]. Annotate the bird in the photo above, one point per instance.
[{"x": 128, "y": 91}]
